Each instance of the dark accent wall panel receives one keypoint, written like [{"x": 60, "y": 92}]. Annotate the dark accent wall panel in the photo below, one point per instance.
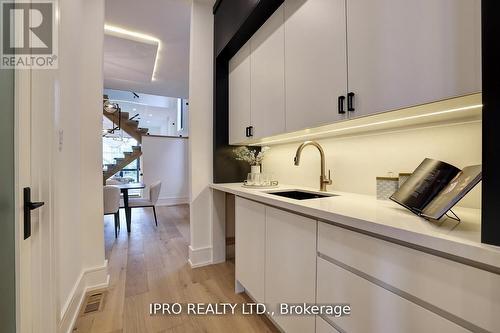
[
  {"x": 226, "y": 168},
  {"x": 490, "y": 228},
  {"x": 235, "y": 21},
  {"x": 229, "y": 17}
]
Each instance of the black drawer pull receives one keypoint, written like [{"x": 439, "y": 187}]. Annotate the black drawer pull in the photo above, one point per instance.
[
  {"x": 341, "y": 104},
  {"x": 350, "y": 102}
]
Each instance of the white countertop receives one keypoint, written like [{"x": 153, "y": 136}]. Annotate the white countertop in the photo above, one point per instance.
[{"x": 385, "y": 218}]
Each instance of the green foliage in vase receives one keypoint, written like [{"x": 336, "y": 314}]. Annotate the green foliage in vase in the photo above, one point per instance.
[{"x": 252, "y": 157}]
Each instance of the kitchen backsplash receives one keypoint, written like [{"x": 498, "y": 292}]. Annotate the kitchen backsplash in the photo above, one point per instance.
[{"x": 356, "y": 161}]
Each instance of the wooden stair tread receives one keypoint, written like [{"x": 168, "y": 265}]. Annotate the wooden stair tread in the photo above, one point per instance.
[
  {"x": 128, "y": 126},
  {"x": 120, "y": 164}
]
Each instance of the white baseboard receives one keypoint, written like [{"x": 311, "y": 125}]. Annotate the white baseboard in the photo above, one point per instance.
[
  {"x": 172, "y": 201},
  {"x": 89, "y": 279},
  {"x": 200, "y": 257}
]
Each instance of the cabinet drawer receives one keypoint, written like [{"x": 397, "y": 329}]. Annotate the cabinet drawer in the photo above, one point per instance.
[
  {"x": 323, "y": 327},
  {"x": 374, "y": 309},
  {"x": 465, "y": 293}
]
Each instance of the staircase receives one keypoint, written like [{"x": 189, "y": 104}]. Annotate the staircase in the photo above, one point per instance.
[{"x": 131, "y": 127}]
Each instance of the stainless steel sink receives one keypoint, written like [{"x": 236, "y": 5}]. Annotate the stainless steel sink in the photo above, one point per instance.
[{"x": 301, "y": 195}]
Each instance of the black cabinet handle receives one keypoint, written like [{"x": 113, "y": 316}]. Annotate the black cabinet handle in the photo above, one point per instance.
[
  {"x": 350, "y": 102},
  {"x": 341, "y": 104},
  {"x": 246, "y": 132},
  {"x": 250, "y": 131},
  {"x": 28, "y": 207}
]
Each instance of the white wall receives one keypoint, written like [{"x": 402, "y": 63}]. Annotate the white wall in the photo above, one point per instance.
[
  {"x": 77, "y": 170},
  {"x": 356, "y": 160},
  {"x": 166, "y": 159},
  {"x": 200, "y": 129}
]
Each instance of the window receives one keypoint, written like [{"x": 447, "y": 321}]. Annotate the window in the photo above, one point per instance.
[{"x": 114, "y": 147}]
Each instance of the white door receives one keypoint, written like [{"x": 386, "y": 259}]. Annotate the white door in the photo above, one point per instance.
[
  {"x": 405, "y": 52},
  {"x": 268, "y": 77},
  {"x": 315, "y": 62},
  {"x": 35, "y": 93},
  {"x": 239, "y": 95}
]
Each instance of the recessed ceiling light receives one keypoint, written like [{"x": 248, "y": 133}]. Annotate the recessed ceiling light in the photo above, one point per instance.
[
  {"x": 137, "y": 36},
  {"x": 134, "y": 109},
  {"x": 150, "y": 114}
]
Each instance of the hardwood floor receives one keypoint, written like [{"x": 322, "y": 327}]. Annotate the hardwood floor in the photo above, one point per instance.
[{"x": 150, "y": 265}]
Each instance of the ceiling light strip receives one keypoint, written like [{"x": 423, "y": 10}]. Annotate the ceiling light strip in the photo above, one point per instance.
[{"x": 137, "y": 36}]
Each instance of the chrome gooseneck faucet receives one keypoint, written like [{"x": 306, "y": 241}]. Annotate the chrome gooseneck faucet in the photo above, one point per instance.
[{"x": 323, "y": 181}]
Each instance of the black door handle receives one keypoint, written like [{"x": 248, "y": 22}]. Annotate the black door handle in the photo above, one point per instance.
[
  {"x": 250, "y": 131},
  {"x": 350, "y": 102},
  {"x": 341, "y": 104},
  {"x": 28, "y": 207}
]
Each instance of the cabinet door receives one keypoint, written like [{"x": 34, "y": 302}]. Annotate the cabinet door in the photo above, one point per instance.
[
  {"x": 315, "y": 61},
  {"x": 405, "y": 52},
  {"x": 239, "y": 95},
  {"x": 250, "y": 228},
  {"x": 268, "y": 77},
  {"x": 290, "y": 266}
]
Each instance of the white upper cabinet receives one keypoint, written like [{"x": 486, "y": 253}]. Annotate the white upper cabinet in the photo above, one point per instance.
[
  {"x": 314, "y": 58},
  {"x": 239, "y": 95},
  {"x": 409, "y": 52},
  {"x": 315, "y": 62},
  {"x": 268, "y": 77}
]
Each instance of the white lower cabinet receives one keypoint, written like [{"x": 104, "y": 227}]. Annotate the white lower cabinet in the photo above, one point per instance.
[
  {"x": 250, "y": 228},
  {"x": 282, "y": 257},
  {"x": 290, "y": 266},
  {"x": 373, "y": 308}
]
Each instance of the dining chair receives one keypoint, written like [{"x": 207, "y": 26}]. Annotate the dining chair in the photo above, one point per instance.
[
  {"x": 154, "y": 193},
  {"x": 112, "y": 204},
  {"x": 113, "y": 182}
]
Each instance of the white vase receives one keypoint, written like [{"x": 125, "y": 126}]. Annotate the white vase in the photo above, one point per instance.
[{"x": 255, "y": 168}]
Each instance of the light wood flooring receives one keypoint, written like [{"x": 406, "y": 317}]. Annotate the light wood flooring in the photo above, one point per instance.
[{"x": 150, "y": 265}]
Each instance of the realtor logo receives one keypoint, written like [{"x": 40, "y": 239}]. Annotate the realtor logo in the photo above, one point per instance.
[{"x": 29, "y": 34}]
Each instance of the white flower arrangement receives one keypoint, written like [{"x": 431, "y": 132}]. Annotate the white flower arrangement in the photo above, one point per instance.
[{"x": 251, "y": 156}]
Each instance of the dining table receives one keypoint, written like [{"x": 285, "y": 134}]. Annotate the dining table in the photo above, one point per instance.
[{"x": 124, "y": 188}]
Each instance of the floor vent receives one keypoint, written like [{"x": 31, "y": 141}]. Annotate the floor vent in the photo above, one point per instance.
[{"x": 94, "y": 303}]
